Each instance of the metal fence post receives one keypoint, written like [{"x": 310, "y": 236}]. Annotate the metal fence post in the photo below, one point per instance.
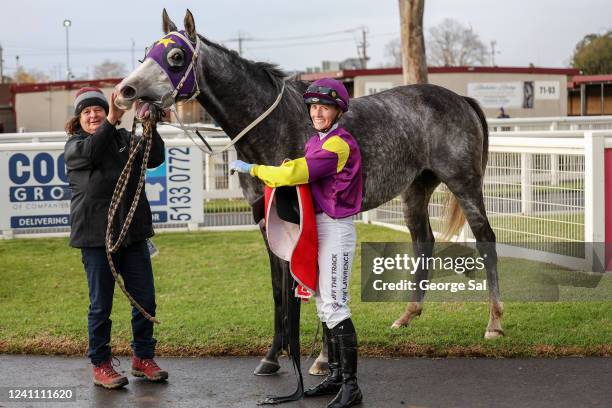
[
  {"x": 367, "y": 216},
  {"x": 554, "y": 169},
  {"x": 526, "y": 187},
  {"x": 594, "y": 200},
  {"x": 209, "y": 173},
  {"x": 233, "y": 182}
]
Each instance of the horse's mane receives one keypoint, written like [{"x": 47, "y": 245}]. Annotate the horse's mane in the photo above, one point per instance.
[{"x": 271, "y": 69}]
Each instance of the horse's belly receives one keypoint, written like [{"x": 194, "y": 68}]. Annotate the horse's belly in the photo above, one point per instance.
[{"x": 381, "y": 187}]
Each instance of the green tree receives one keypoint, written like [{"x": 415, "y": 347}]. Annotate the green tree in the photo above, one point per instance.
[{"x": 593, "y": 54}]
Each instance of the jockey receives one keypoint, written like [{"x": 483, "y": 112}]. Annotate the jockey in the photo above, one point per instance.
[{"x": 332, "y": 166}]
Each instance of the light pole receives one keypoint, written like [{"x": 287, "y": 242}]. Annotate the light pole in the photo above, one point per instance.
[{"x": 67, "y": 24}]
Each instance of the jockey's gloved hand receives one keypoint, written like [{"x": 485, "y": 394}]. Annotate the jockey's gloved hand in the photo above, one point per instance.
[{"x": 240, "y": 166}]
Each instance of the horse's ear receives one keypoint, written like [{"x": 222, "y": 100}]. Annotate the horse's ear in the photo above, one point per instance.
[
  {"x": 167, "y": 24},
  {"x": 189, "y": 24}
]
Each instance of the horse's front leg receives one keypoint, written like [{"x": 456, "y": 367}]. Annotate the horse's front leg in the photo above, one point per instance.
[{"x": 269, "y": 364}]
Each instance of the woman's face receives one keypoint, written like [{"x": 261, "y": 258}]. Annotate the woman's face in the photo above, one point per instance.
[
  {"x": 323, "y": 116},
  {"x": 91, "y": 118}
]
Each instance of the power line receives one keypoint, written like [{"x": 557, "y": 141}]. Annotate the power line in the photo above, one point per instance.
[
  {"x": 305, "y": 36},
  {"x": 302, "y": 44}
]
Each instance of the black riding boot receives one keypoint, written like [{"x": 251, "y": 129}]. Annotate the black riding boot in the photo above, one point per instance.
[
  {"x": 349, "y": 394},
  {"x": 332, "y": 383}
]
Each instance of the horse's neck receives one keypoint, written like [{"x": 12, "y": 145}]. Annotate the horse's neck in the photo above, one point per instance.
[{"x": 235, "y": 92}]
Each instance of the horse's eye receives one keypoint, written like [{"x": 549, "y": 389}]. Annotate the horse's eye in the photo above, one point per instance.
[{"x": 176, "y": 58}]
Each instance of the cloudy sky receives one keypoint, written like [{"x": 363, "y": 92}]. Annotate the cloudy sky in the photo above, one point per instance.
[{"x": 293, "y": 34}]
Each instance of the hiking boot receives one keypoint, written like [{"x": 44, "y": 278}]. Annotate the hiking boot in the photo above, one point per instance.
[
  {"x": 148, "y": 368},
  {"x": 332, "y": 383},
  {"x": 104, "y": 375}
]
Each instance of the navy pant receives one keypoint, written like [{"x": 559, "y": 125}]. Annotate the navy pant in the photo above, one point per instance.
[{"x": 134, "y": 265}]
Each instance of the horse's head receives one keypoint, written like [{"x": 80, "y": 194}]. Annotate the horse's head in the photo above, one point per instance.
[{"x": 168, "y": 70}]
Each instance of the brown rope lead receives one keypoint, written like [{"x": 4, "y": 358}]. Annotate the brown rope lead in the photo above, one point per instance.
[{"x": 148, "y": 128}]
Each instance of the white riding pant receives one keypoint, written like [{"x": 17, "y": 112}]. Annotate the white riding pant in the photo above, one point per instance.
[{"x": 337, "y": 239}]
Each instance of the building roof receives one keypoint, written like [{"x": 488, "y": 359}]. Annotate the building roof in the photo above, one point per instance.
[
  {"x": 351, "y": 73},
  {"x": 589, "y": 79},
  {"x": 64, "y": 85}
]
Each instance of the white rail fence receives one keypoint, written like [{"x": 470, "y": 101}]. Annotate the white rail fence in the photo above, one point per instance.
[
  {"x": 551, "y": 123},
  {"x": 541, "y": 186}
]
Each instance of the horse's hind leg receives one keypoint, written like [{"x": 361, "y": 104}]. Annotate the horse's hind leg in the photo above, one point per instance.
[
  {"x": 468, "y": 191},
  {"x": 414, "y": 202}
]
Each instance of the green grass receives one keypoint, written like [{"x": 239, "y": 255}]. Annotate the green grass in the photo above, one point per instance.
[{"x": 214, "y": 298}]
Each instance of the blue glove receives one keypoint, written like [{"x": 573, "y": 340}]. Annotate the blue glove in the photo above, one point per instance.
[{"x": 240, "y": 167}]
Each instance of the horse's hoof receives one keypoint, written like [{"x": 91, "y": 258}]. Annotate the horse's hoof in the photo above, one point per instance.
[
  {"x": 492, "y": 334},
  {"x": 267, "y": 367},
  {"x": 397, "y": 324},
  {"x": 319, "y": 368}
]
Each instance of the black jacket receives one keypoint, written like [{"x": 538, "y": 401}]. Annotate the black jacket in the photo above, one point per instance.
[{"x": 94, "y": 163}]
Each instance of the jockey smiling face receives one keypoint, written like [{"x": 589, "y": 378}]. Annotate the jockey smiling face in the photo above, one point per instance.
[{"x": 324, "y": 116}]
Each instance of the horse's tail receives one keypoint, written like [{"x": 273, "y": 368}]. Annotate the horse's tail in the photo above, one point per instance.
[
  {"x": 485, "y": 130},
  {"x": 454, "y": 215}
]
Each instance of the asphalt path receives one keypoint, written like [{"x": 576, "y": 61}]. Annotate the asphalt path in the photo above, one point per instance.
[{"x": 403, "y": 382}]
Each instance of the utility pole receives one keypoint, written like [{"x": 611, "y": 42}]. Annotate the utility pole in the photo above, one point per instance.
[
  {"x": 133, "y": 50},
  {"x": 67, "y": 23},
  {"x": 1, "y": 66},
  {"x": 364, "y": 47},
  {"x": 493, "y": 43},
  {"x": 240, "y": 40}
]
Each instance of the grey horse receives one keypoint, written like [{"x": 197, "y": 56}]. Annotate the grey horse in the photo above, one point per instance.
[{"x": 412, "y": 138}]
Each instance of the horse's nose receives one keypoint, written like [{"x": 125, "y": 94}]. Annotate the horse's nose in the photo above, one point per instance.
[{"x": 128, "y": 92}]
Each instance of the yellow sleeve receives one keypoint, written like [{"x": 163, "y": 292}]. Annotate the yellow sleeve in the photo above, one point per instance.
[{"x": 290, "y": 173}]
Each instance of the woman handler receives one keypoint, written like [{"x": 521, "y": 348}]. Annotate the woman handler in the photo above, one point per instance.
[
  {"x": 332, "y": 166},
  {"x": 95, "y": 154}
]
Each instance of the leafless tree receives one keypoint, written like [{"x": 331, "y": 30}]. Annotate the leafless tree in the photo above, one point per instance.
[
  {"x": 23, "y": 76},
  {"x": 110, "y": 69},
  {"x": 414, "y": 62},
  {"x": 393, "y": 52},
  {"x": 452, "y": 44}
]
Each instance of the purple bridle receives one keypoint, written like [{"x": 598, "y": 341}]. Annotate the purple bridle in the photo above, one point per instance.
[{"x": 183, "y": 79}]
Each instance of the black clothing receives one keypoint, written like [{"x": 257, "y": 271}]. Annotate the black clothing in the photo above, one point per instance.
[{"x": 94, "y": 163}]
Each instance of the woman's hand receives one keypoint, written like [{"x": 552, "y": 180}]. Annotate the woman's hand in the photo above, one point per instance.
[
  {"x": 240, "y": 167},
  {"x": 114, "y": 113}
]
